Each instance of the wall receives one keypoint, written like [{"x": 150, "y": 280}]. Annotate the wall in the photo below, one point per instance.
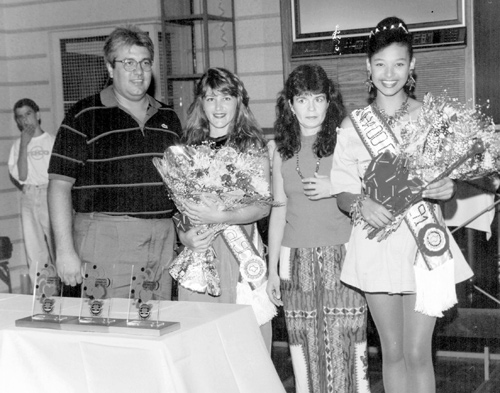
[
  {"x": 29, "y": 34},
  {"x": 259, "y": 54}
]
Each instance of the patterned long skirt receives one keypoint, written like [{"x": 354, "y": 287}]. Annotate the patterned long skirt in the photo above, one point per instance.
[{"x": 326, "y": 322}]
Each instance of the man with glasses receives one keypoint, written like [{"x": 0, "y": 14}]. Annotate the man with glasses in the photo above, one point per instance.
[{"x": 101, "y": 170}]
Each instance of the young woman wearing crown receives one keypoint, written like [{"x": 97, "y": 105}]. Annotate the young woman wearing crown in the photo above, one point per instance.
[{"x": 409, "y": 276}]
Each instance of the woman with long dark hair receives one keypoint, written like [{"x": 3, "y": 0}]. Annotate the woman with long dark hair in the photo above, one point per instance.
[{"x": 325, "y": 319}]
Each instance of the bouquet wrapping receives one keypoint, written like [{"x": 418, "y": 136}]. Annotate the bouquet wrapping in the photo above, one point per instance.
[
  {"x": 449, "y": 139},
  {"x": 227, "y": 177},
  {"x": 446, "y": 131}
]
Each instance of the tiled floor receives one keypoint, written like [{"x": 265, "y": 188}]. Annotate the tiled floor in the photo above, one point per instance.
[{"x": 452, "y": 375}]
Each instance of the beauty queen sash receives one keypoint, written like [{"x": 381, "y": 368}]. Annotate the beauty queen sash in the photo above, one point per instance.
[
  {"x": 434, "y": 263},
  {"x": 248, "y": 250}
]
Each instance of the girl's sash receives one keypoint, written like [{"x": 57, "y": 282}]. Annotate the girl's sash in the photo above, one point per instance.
[
  {"x": 424, "y": 220},
  {"x": 248, "y": 250}
]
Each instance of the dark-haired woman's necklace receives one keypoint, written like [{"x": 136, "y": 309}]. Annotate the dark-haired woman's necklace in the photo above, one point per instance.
[
  {"x": 297, "y": 168},
  {"x": 400, "y": 113}
]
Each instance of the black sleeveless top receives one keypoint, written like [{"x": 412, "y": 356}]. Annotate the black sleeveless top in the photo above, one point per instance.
[{"x": 219, "y": 141}]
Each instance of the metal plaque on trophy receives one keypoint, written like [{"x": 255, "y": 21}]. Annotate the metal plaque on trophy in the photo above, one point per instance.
[{"x": 97, "y": 295}]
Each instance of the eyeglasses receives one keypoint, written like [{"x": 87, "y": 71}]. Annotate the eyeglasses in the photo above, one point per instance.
[{"x": 131, "y": 64}]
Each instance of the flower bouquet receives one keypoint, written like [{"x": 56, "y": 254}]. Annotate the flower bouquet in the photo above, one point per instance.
[
  {"x": 449, "y": 139},
  {"x": 230, "y": 178}
]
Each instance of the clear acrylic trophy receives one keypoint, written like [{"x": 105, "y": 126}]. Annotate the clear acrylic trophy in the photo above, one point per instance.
[
  {"x": 145, "y": 296},
  {"x": 141, "y": 285},
  {"x": 97, "y": 295},
  {"x": 47, "y": 295}
]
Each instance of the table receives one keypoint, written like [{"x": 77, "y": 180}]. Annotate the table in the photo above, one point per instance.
[{"x": 219, "y": 348}]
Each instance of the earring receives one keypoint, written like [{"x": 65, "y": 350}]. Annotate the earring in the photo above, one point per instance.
[
  {"x": 369, "y": 83},
  {"x": 411, "y": 81}
]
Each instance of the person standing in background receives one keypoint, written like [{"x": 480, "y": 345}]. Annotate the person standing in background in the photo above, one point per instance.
[
  {"x": 101, "y": 168},
  {"x": 28, "y": 163}
]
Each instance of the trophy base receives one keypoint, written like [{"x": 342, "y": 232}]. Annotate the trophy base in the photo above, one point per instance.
[
  {"x": 47, "y": 317},
  {"x": 96, "y": 321},
  {"x": 146, "y": 324},
  {"x": 121, "y": 326},
  {"x": 145, "y": 328},
  {"x": 35, "y": 321}
]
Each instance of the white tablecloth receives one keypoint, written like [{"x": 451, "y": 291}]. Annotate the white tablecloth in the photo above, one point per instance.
[{"x": 219, "y": 348}]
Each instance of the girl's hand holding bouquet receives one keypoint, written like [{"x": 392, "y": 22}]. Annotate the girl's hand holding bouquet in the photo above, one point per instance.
[
  {"x": 448, "y": 141},
  {"x": 205, "y": 184}
]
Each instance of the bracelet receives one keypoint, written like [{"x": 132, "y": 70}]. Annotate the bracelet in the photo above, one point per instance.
[{"x": 355, "y": 209}]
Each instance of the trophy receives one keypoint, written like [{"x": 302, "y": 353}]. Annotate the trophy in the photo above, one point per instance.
[
  {"x": 142, "y": 285},
  {"x": 144, "y": 304},
  {"x": 47, "y": 296},
  {"x": 97, "y": 296},
  {"x": 47, "y": 300},
  {"x": 145, "y": 296}
]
